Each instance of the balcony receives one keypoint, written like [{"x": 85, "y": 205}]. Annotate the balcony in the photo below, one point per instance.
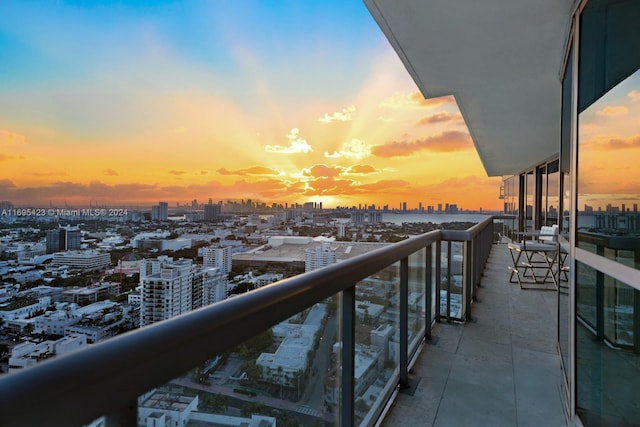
[{"x": 489, "y": 359}]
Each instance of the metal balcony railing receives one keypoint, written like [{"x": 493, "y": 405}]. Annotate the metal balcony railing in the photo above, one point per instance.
[{"x": 106, "y": 379}]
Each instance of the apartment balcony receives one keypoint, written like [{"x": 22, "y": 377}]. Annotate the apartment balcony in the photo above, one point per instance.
[
  {"x": 428, "y": 331},
  {"x": 501, "y": 368}
]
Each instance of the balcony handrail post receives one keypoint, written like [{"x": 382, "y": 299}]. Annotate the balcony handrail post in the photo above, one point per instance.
[
  {"x": 428, "y": 292},
  {"x": 468, "y": 279},
  {"x": 347, "y": 377},
  {"x": 404, "y": 322},
  {"x": 438, "y": 283},
  {"x": 449, "y": 275}
]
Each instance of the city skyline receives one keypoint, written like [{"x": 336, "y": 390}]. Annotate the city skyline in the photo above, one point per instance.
[{"x": 114, "y": 104}]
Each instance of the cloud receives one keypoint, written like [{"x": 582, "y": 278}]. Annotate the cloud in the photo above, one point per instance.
[
  {"x": 621, "y": 144},
  {"x": 296, "y": 145},
  {"x": 329, "y": 186},
  {"x": 440, "y": 117},
  {"x": 613, "y": 111},
  {"x": 415, "y": 100},
  {"x": 4, "y": 157},
  {"x": 442, "y": 142},
  {"x": 7, "y": 137},
  {"x": 385, "y": 119},
  {"x": 177, "y": 173},
  {"x": 362, "y": 170},
  {"x": 354, "y": 149},
  {"x": 45, "y": 174},
  {"x": 204, "y": 172},
  {"x": 110, "y": 172},
  {"x": 322, "y": 171},
  {"x": 634, "y": 95},
  {"x": 385, "y": 184},
  {"x": 6, "y": 183},
  {"x": 338, "y": 116},
  {"x": 254, "y": 170}
]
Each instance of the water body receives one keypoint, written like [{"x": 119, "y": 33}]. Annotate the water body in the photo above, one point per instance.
[{"x": 399, "y": 218}]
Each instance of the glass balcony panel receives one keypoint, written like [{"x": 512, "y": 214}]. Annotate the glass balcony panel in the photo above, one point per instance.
[
  {"x": 452, "y": 280},
  {"x": 288, "y": 374},
  {"x": 586, "y": 282},
  {"x": 377, "y": 342},
  {"x": 417, "y": 299},
  {"x": 608, "y": 367}
]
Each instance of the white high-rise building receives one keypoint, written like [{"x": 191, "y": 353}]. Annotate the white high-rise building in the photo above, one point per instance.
[
  {"x": 215, "y": 285},
  {"x": 169, "y": 288},
  {"x": 319, "y": 257},
  {"x": 217, "y": 257}
]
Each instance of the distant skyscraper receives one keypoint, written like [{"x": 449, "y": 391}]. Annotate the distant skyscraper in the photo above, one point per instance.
[
  {"x": 212, "y": 212},
  {"x": 217, "y": 257},
  {"x": 63, "y": 239},
  {"x": 160, "y": 212}
]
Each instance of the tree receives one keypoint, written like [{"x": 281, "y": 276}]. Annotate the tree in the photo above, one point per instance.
[
  {"x": 253, "y": 408},
  {"x": 4, "y": 351},
  {"x": 28, "y": 328}
]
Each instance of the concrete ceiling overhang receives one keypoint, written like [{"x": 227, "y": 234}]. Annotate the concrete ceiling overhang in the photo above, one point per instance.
[{"x": 501, "y": 59}]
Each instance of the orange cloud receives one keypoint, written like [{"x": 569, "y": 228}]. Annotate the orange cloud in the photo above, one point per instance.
[
  {"x": 444, "y": 142},
  {"x": 6, "y": 183},
  {"x": 384, "y": 184},
  {"x": 415, "y": 100},
  {"x": 611, "y": 110},
  {"x": 440, "y": 117},
  {"x": 355, "y": 149},
  {"x": 177, "y": 173},
  {"x": 254, "y": 170},
  {"x": 621, "y": 144},
  {"x": 322, "y": 171},
  {"x": 4, "y": 157},
  {"x": 362, "y": 170},
  {"x": 329, "y": 186},
  {"x": 296, "y": 145},
  {"x": 614, "y": 143},
  {"x": 110, "y": 172},
  {"x": 11, "y": 137},
  {"x": 338, "y": 116},
  {"x": 634, "y": 95},
  {"x": 45, "y": 174}
]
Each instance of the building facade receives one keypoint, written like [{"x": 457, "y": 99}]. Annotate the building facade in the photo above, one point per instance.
[
  {"x": 63, "y": 239},
  {"x": 172, "y": 287},
  {"x": 160, "y": 212},
  {"x": 217, "y": 257},
  {"x": 319, "y": 257}
]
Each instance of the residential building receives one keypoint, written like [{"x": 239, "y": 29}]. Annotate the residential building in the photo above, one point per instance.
[
  {"x": 319, "y": 256},
  {"x": 28, "y": 353},
  {"x": 169, "y": 288},
  {"x": 212, "y": 212},
  {"x": 160, "y": 212},
  {"x": 63, "y": 238},
  {"x": 217, "y": 257}
]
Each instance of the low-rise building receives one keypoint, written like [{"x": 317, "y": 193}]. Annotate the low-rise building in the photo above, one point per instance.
[
  {"x": 29, "y": 353},
  {"x": 82, "y": 260}
]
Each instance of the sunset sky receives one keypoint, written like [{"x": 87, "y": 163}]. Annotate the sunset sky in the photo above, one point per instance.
[
  {"x": 278, "y": 101},
  {"x": 609, "y": 133}
]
